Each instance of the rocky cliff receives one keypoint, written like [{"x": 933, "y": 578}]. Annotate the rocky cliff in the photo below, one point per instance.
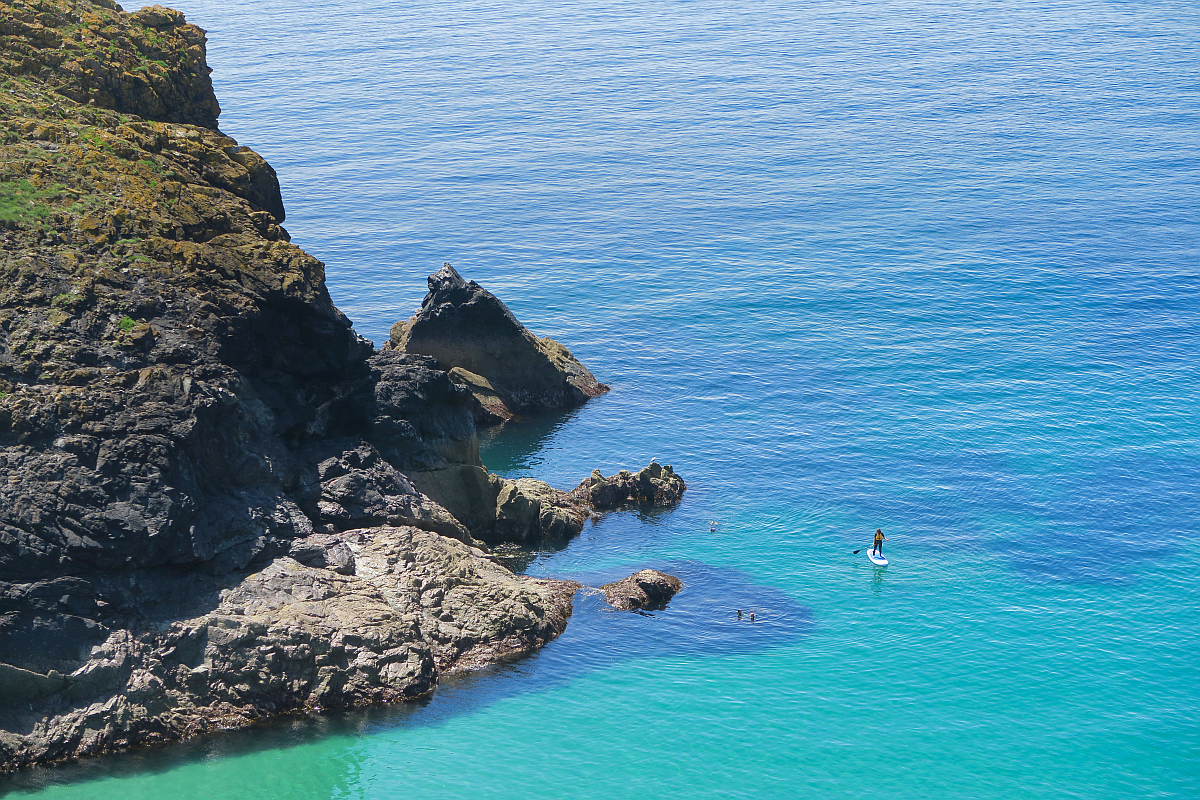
[{"x": 214, "y": 496}]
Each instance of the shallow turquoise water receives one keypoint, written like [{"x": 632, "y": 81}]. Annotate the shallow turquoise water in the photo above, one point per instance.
[{"x": 927, "y": 267}]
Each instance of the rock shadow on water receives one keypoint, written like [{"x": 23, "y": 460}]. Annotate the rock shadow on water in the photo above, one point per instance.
[
  {"x": 515, "y": 445},
  {"x": 701, "y": 622}
]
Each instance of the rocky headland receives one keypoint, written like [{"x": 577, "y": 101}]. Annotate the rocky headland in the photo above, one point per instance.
[{"x": 217, "y": 501}]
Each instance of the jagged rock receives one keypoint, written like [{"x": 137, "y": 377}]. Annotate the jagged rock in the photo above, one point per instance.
[
  {"x": 496, "y": 509},
  {"x": 358, "y": 487},
  {"x": 467, "y": 328},
  {"x": 420, "y": 418},
  {"x": 656, "y": 484},
  {"x": 379, "y": 618},
  {"x": 648, "y": 590}
]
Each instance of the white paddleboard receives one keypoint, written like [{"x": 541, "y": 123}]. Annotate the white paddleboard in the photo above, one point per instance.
[{"x": 877, "y": 560}]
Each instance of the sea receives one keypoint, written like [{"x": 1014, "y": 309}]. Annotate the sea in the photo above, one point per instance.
[{"x": 929, "y": 267}]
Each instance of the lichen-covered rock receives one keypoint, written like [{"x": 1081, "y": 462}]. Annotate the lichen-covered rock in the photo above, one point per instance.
[
  {"x": 492, "y": 407},
  {"x": 647, "y": 590},
  {"x": 656, "y": 484},
  {"x": 151, "y": 63},
  {"x": 464, "y": 326},
  {"x": 377, "y": 619}
]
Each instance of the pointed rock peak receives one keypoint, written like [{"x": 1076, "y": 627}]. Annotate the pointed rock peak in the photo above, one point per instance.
[
  {"x": 446, "y": 278},
  {"x": 449, "y": 293},
  {"x": 466, "y": 327}
]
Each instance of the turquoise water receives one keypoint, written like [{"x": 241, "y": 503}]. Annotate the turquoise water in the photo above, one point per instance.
[{"x": 922, "y": 266}]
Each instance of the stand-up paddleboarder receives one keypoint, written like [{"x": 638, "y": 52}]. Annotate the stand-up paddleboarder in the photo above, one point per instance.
[{"x": 879, "y": 540}]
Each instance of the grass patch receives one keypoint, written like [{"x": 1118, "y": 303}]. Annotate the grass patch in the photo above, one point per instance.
[
  {"x": 126, "y": 324},
  {"x": 23, "y": 203}
]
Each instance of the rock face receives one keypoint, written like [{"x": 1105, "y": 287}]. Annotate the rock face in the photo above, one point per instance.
[
  {"x": 648, "y": 590},
  {"x": 182, "y": 407},
  {"x": 495, "y": 509},
  {"x": 151, "y": 63},
  {"x": 470, "y": 332},
  {"x": 375, "y": 616},
  {"x": 656, "y": 484}
]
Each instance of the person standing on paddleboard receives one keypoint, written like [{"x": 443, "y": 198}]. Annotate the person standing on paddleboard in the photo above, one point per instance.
[{"x": 879, "y": 540}]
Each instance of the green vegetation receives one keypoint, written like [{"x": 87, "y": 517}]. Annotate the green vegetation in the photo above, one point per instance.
[
  {"x": 126, "y": 324},
  {"x": 23, "y": 203}
]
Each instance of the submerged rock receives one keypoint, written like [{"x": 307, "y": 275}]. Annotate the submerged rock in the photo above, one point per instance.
[
  {"x": 470, "y": 332},
  {"x": 648, "y": 590},
  {"x": 656, "y": 484}
]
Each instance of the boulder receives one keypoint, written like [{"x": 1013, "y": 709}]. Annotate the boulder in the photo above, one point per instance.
[
  {"x": 474, "y": 335},
  {"x": 648, "y": 590},
  {"x": 656, "y": 484}
]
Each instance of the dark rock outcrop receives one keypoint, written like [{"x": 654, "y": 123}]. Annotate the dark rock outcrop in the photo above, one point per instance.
[
  {"x": 656, "y": 484},
  {"x": 648, "y": 590},
  {"x": 183, "y": 410},
  {"x": 474, "y": 335}
]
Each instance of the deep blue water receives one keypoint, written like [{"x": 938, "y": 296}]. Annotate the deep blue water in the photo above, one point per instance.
[{"x": 922, "y": 266}]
